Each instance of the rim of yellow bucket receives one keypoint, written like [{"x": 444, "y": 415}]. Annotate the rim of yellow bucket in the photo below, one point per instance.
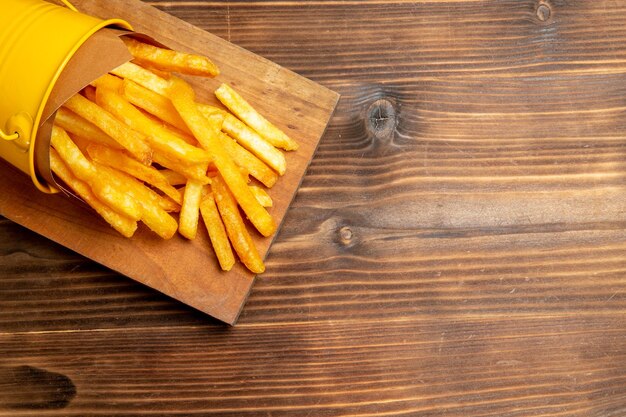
[{"x": 49, "y": 188}]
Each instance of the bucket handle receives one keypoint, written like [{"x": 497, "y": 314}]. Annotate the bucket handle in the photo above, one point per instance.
[
  {"x": 13, "y": 136},
  {"x": 69, "y": 5},
  {"x": 9, "y": 137}
]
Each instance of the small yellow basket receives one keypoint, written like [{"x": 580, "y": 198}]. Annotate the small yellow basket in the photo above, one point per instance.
[{"x": 37, "y": 40}]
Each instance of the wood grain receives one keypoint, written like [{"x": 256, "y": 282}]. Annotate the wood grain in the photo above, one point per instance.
[
  {"x": 456, "y": 248},
  {"x": 297, "y": 105}
]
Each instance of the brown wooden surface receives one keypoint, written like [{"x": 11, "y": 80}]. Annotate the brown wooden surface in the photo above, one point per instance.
[
  {"x": 456, "y": 249},
  {"x": 185, "y": 270}
]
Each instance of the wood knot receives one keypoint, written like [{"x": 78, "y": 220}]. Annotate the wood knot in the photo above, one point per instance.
[
  {"x": 29, "y": 388},
  {"x": 345, "y": 233},
  {"x": 381, "y": 118},
  {"x": 543, "y": 12}
]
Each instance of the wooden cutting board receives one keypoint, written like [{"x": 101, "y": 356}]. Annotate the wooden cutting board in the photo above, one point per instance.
[{"x": 185, "y": 270}]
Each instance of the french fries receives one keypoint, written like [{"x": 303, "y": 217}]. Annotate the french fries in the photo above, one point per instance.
[
  {"x": 124, "y": 225},
  {"x": 159, "y": 138},
  {"x": 73, "y": 123},
  {"x": 250, "y": 140},
  {"x": 153, "y": 215},
  {"x": 242, "y": 109},
  {"x": 136, "y": 146},
  {"x": 108, "y": 191},
  {"x": 183, "y": 98},
  {"x": 153, "y": 103},
  {"x": 143, "y": 77},
  {"x": 235, "y": 227},
  {"x": 167, "y": 60},
  {"x": 261, "y": 196},
  {"x": 188, "y": 223},
  {"x": 122, "y": 162},
  {"x": 173, "y": 178},
  {"x": 253, "y": 165},
  {"x": 129, "y": 139},
  {"x": 217, "y": 232}
]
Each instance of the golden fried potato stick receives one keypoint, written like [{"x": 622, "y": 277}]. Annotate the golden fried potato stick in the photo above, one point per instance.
[
  {"x": 168, "y": 60},
  {"x": 129, "y": 139},
  {"x": 142, "y": 77},
  {"x": 217, "y": 232},
  {"x": 235, "y": 227},
  {"x": 261, "y": 195},
  {"x": 153, "y": 103},
  {"x": 173, "y": 177},
  {"x": 106, "y": 189},
  {"x": 125, "y": 226},
  {"x": 189, "y": 212},
  {"x": 196, "y": 172},
  {"x": 183, "y": 98},
  {"x": 157, "y": 136},
  {"x": 153, "y": 216},
  {"x": 76, "y": 125},
  {"x": 244, "y": 111},
  {"x": 122, "y": 162},
  {"x": 253, "y": 165},
  {"x": 90, "y": 93},
  {"x": 108, "y": 81}
]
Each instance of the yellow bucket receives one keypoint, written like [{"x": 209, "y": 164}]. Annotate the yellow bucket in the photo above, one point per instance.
[{"x": 37, "y": 40}]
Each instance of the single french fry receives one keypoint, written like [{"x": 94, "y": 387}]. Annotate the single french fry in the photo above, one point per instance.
[
  {"x": 142, "y": 77},
  {"x": 235, "y": 227},
  {"x": 244, "y": 111},
  {"x": 261, "y": 195},
  {"x": 253, "y": 165},
  {"x": 217, "y": 232},
  {"x": 153, "y": 103},
  {"x": 158, "y": 137},
  {"x": 74, "y": 124},
  {"x": 173, "y": 178},
  {"x": 189, "y": 212},
  {"x": 108, "y": 81},
  {"x": 122, "y": 162},
  {"x": 125, "y": 226},
  {"x": 153, "y": 215},
  {"x": 169, "y": 60},
  {"x": 196, "y": 172},
  {"x": 105, "y": 189},
  {"x": 183, "y": 99},
  {"x": 132, "y": 141}
]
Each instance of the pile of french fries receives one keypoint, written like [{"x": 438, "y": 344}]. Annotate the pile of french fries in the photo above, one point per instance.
[{"x": 136, "y": 146}]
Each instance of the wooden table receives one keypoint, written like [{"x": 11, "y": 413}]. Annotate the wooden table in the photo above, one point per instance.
[{"x": 456, "y": 249}]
